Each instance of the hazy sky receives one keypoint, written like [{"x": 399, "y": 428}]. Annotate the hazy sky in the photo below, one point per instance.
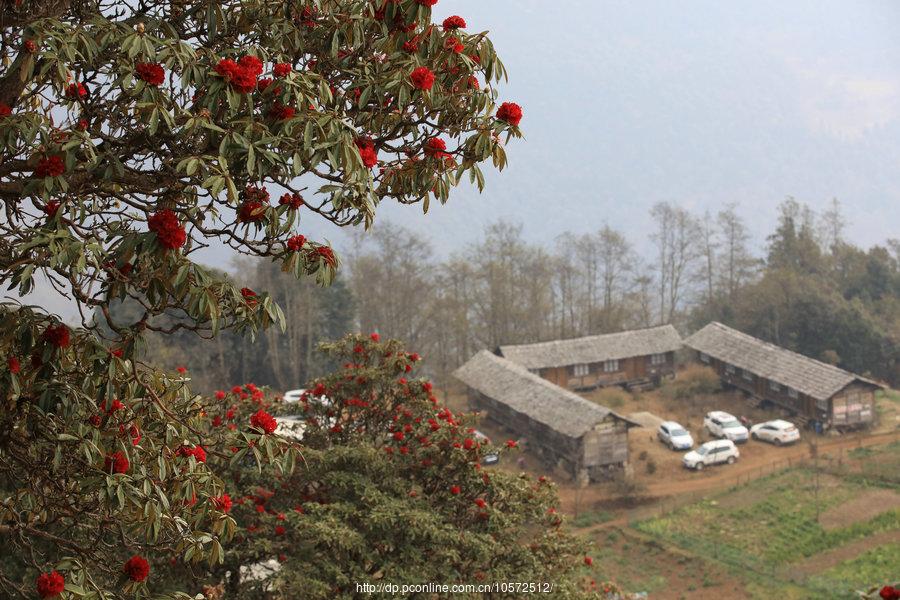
[{"x": 699, "y": 103}]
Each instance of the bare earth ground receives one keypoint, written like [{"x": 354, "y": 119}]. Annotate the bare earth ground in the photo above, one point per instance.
[
  {"x": 861, "y": 508},
  {"x": 832, "y": 558}
]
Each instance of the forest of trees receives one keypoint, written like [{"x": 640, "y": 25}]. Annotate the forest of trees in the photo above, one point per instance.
[{"x": 811, "y": 291}]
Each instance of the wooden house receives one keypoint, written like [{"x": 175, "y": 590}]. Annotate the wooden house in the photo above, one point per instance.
[
  {"x": 814, "y": 391},
  {"x": 637, "y": 358},
  {"x": 587, "y": 440}
]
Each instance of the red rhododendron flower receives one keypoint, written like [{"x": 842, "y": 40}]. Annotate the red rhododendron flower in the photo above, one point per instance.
[
  {"x": 411, "y": 46},
  {"x": 280, "y": 530},
  {"x": 115, "y": 406},
  {"x": 51, "y": 208},
  {"x": 58, "y": 335},
  {"x": 454, "y": 22},
  {"x": 889, "y": 592},
  {"x": 281, "y": 70},
  {"x": 294, "y": 200},
  {"x": 50, "y": 585},
  {"x": 326, "y": 253},
  {"x": 375, "y": 337},
  {"x": 511, "y": 443},
  {"x": 223, "y": 503},
  {"x": 436, "y": 147},
  {"x": 480, "y": 503},
  {"x": 51, "y": 166},
  {"x": 137, "y": 568},
  {"x": 367, "y": 152},
  {"x": 152, "y": 73},
  {"x": 295, "y": 243},
  {"x": 5, "y": 110},
  {"x": 422, "y": 78},
  {"x": 280, "y": 112},
  {"x": 264, "y": 421},
  {"x": 116, "y": 462},
  {"x": 197, "y": 452},
  {"x": 452, "y": 43},
  {"x": 455, "y": 490},
  {"x": 220, "y": 395},
  {"x": 242, "y": 75},
  {"x": 588, "y": 560},
  {"x": 14, "y": 365},
  {"x": 251, "y": 211},
  {"x": 169, "y": 232},
  {"x": 427, "y": 2},
  {"x": 76, "y": 91},
  {"x": 510, "y": 112},
  {"x": 249, "y": 296}
]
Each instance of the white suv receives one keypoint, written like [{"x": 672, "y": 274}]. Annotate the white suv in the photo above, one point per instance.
[
  {"x": 723, "y": 425},
  {"x": 674, "y": 436},
  {"x": 778, "y": 432},
  {"x": 711, "y": 453}
]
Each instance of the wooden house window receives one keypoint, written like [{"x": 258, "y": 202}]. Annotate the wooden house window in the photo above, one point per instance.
[
  {"x": 658, "y": 359},
  {"x": 729, "y": 369},
  {"x": 704, "y": 357},
  {"x": 792, "y": 392},
  {"x": 774, "y": 386},
  {"x": 748, "y": 375},
  {"x": 580, "y": 370},
  {"x": 611, "y": 366}
]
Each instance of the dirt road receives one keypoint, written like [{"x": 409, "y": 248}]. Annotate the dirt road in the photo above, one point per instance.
[{"x": 747, "y": 469}]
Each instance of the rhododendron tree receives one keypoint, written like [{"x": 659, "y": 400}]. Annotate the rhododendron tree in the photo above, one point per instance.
[
  {"x": 391, "y": 488},
  {"x": 133, "y": 135}
]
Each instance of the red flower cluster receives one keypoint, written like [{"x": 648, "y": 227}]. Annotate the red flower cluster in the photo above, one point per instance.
[
  {"x": 50, "y": 585},
  {"x": 454, "y": 22},
  {"x": 169, "y": 232},
  {"x": 137, "y": 568},
  {"x": 51, "y": 208},
  {"x": 325, "y": 253},
  {"x": 510, "y": 112},
  {"x": 152, "y": 73},
  {"x": 263, "y": 421},
  {"x": 249, "y": 296},
  {"x": 295, "y": 243},
  {"x": 14, "y": 365},
  {"x": 427, "y": 2},
  {"x": 58, "y": 335},
  {"x": 116, "y": 462},
  {"x": 197, "y": 452},
  {"x": 253, "y": 207},
  {"x": 411, "y": 46},
  {"x": 5, "y": 110},
  {"x": 243, "y": 74},
  {"x": 280, "y": 112},
  {"x": 223, "y": 503},
  {"x": 280, "y": 530},
  {"x": 588, "y": 560},
  {"x": 294, "y": 200},
  {"x": 889, "y": 592},
  {"x": 452, "y": 43},
  {"x": 76, "y": 91},
  {"x": 455, "y": 490},
  {"x": 52, "y": 166},
  {"x": 367, "y": 152},
  {"x": 30, "y": 46},
  {"x": 422, "y": 78},
  {"x": 281, "y": 70},
  {"x": 436, "y": 147}
]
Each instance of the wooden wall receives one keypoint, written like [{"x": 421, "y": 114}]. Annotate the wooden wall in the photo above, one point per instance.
[
  {"x": 595, "y": 454},
  {"x": 631, "y": 370}
]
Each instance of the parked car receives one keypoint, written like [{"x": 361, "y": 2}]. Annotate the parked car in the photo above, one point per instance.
[
  {"x": 711, "y": 453},
  {"x": 724, "y": 425},
  {"x": 293, "y": 396},
  {"x": 778, "y": 432},
  {"x": 674, "y": 436},
  {"x": 291, "y": 427}
]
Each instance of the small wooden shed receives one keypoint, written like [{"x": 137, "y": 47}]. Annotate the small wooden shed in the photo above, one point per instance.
[
  {"x": 587, "y": 440},
  {"x": 637, "y": 358},
  {"x": 810, "y": 389}
]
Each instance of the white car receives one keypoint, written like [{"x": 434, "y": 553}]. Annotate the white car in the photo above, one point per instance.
[
  {"x": 711, "y": 453},
  {"x": 291, "y": 427},
  {"x": 293, "y": 396},
  {"x": 674, "y": 436},
  {"x": 778, "y": 432},
  {"x": 723, "y": 425}
]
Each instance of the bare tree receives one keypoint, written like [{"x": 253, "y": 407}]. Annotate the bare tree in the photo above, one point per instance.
[
  {"x": 738, "y": 264},
  {"x": 676, "y": 237}
]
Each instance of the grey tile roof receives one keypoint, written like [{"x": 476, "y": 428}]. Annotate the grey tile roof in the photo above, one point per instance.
[
  {"x": 594, "y": 348},
  {"x": 809, "y": 376},
  {"x": 526, "y": 393}
]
